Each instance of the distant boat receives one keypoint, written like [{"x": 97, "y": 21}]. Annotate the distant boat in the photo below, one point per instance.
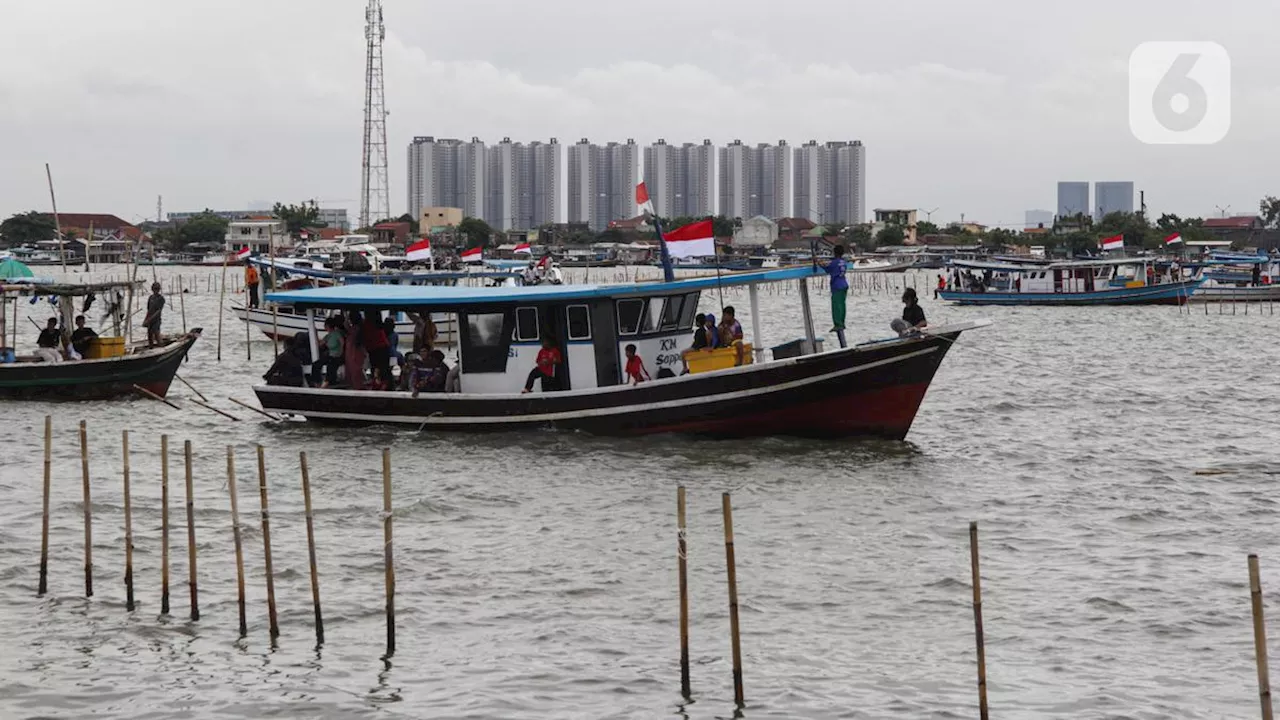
[{"x": 1095, "y": 282}]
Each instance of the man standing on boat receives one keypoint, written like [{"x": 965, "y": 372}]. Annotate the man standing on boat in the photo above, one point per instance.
[
  {"x": 839, "y": 291},
  {"x": 155, "y": 308},
  {"x": 251, "y": 283}
]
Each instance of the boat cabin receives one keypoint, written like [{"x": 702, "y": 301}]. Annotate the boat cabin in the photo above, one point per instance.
[{"x": 502, "y": 329}]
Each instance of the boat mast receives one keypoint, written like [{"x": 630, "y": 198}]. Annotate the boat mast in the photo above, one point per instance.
[{"x": 57, "y": 224}]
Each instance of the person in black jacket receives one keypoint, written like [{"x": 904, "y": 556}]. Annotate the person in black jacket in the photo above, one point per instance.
[
  {"x": 287, "y": 369},
  {"x": 912, "y": 320}
]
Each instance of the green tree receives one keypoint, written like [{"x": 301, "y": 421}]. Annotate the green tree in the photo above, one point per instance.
[
  {"x": 999, "y": 237},
  {"x": 405, "y": 218},
  {"x": 476, "y": 231},
  {"x": 924, "y": 227},
  {"x": 166, "y": 237},
  {"x": 205, "y": 229},
  {"x": 299, "y": 217},
  {"x": 26, "y": 228},
  {"x": 1134, "y": 227},
  {"x": 833, "y": 229},
  {"x": 890, "y": 235},
  {"x": 1269, "y": 209},
  {"x": 859, "y": 236},
  {"x": 723, "y": 226}
]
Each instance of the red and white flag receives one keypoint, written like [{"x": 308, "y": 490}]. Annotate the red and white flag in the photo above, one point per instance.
[
  {"x": 420, "y": 250},
  {"x": 243, "y": 253},
  {"x": 1173, "y": 239},
  {"x": 693, "y": 240},
  {"x": 474, "y": 255},
  {"x": 523, "y": 249},
  {"x": 642, "y": 198},
  {"x": 1115, "y": 242}
]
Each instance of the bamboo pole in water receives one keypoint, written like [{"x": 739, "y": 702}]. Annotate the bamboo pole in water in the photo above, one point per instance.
[
  {"x": 311, "y": 548},
  {"x": 164, "y": 524},
  {"x": 88, "y": 513},
  {"x": 386, "y": 549},
  {"x": 235, "y": 531},
  {"x": 682, "y": 555},
  {"x": 44, "y": 526},
  {"x": 734, "y": 636},
  {"x": 977, "y": 621},
  {"x": 266, "y": 545},
  {"x": 222, "y": 300},
  {"x": 191, "y": 531},
  {"x": 182, "y": 303},
  {"x": 1260, "y": 638},
  {"x": 128, "y": 526}
]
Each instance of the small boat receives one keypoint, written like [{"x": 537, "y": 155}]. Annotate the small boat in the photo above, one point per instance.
[
  {"x": 767, "y": 262},
  {"x": 112, "y": 367},
  {"x": 885, "y": 265},
  {"x": 1238, "y": 278},
  {"x": 873, "y": 389},
  {"x": 1127, "y": 281}
]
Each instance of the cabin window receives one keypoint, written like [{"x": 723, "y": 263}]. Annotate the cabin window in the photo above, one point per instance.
[
  {"x": 671, "y": 313},
  {"x": 579, "y": 322},
  {"x": 526, "y": 324},
  {"x": 486, "y": 329},
  {"x": 690, "y": 310},
  {"x": 653, "y": 315},
  {"x": 629, "y": 312}
]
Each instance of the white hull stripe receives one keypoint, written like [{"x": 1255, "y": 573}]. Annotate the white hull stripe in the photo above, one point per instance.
[{"x": 605, "y": 411}]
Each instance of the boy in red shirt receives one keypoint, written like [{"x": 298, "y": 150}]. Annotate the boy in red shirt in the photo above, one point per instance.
[
  {"x": 636, "y": 372},
  {"x": 548, "y": 360}
]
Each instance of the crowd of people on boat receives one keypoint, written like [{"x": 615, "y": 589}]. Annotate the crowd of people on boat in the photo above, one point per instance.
[{"x": 362, "y": 351}]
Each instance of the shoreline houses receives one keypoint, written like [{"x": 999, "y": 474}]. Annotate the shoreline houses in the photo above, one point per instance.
[{"x": 104, "y": 238}]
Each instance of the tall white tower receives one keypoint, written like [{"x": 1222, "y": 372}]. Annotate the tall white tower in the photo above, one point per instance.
[{"x": 375, "y": 202}]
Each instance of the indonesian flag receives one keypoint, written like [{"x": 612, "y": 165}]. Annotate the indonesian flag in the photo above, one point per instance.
[
  {"x": 474, "y": 255},
  {"x": 420, "y": 250},
  {"x": 523, "y": 249},
  {"x": 1115, "y": 242},
  {"x": 693, "y": 240},
  {"x": 243, "y": 253},
  {"x": 642, "y": 198},
  {"x": 545, "y": 262},
  {"x": 1173, "y": 239}
]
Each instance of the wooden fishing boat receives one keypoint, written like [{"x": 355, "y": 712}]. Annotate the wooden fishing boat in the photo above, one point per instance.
[
  {"x": 111, "y": 368},
  {"x": 874, "y": 389},
  {"x": 1127, "y": 281},
  {"x": 1237, "y": 277}
]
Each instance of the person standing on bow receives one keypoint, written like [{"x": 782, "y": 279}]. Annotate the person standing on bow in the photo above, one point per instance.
[
  {"x": 251, "y": 282},
  {"x": 155, "y": 309},
  {"x": 839, "y": 291}
]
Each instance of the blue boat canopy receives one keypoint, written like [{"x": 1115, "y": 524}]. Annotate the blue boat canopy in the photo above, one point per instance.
[{"x": 444, "y": 297}]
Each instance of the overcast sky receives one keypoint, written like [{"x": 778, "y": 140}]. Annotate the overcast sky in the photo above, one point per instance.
[{"x": 974, "y": 107}]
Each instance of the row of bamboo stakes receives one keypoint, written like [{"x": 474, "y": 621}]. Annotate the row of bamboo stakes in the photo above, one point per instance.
[
  {"x": 1255, "y": 587},
  {"x": 192, "y": 581}
]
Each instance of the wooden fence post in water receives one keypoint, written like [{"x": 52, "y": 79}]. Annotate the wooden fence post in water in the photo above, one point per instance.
[
  {"x": 734, "y": 637},
  {"x": 191, "y": 531},
  {"x": 164, "y": 524},
  {"x": 235, "y": 531},
  {"x": 1260, "y": 638},
  {"x": 386, "y": 550},
  {"x": 88, "y": 513},
  {"x": 128, "y": 527},
  {"x": 977, "y": 621},
  {"x": 44, "y": 528},
  {"x": 266, "y": 545},
  {"x": 682, "y": 556},
  {"x": 311, "y": 548}
]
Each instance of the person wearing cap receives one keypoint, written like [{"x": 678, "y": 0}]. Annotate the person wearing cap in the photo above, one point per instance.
[{"x": 155, "y": 308}]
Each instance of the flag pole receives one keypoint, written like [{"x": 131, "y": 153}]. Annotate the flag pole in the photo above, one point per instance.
[{"x": 716, "y": 246}]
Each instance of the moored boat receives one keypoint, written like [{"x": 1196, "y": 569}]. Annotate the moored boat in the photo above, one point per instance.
[
  {"x": 874, "y": 389},
  {"x": 1128, "y": 281}
]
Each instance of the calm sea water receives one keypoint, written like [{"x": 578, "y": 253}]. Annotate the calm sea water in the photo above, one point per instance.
[{"x": 536, "y": 572}]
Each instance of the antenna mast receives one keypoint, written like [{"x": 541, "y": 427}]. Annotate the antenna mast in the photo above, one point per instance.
[{"x": 375, "y": 201}]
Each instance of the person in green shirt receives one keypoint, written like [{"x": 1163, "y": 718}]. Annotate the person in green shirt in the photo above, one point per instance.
[{"x": 330, "y": 351}]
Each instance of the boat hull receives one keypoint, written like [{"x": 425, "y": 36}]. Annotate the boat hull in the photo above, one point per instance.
[
  {"x": 1232, "y": 293},
  {"x": 867, "y": 391},
  {"x": 97, "y": 379},
  {"x": 1167, "y": 294}
]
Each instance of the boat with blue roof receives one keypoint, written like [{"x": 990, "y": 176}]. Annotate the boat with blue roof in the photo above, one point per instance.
[
  {"x": 797, "y": 388},
  {"x": 1123, "y": 281}
]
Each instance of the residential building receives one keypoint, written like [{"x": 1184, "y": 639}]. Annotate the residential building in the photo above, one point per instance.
[
  {"x": 523, "y": 184},
  {"x": 1038, "y": 218},
  {"x": 681, "y": 179},
  {"x": 447, "y": 172},
  {"x": 830, "y": 182},
  {"x": 736, "y": 174},
  {"x": 331, "y": 217},
  {"x": 904, "y": 219},
  {"x": 1073, "y": 199},
  {"x": 260, "y": 236},
  {"x": 548, "y": 169},
  {"x": 1111, "y": 197},
  {"x": 775, "y": 180},
  {"x": 433, "y": 217},
  {"x": 602, "y": 182}
]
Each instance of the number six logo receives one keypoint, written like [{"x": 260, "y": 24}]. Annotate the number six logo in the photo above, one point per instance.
[{"x": 1179, "y": 93}]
